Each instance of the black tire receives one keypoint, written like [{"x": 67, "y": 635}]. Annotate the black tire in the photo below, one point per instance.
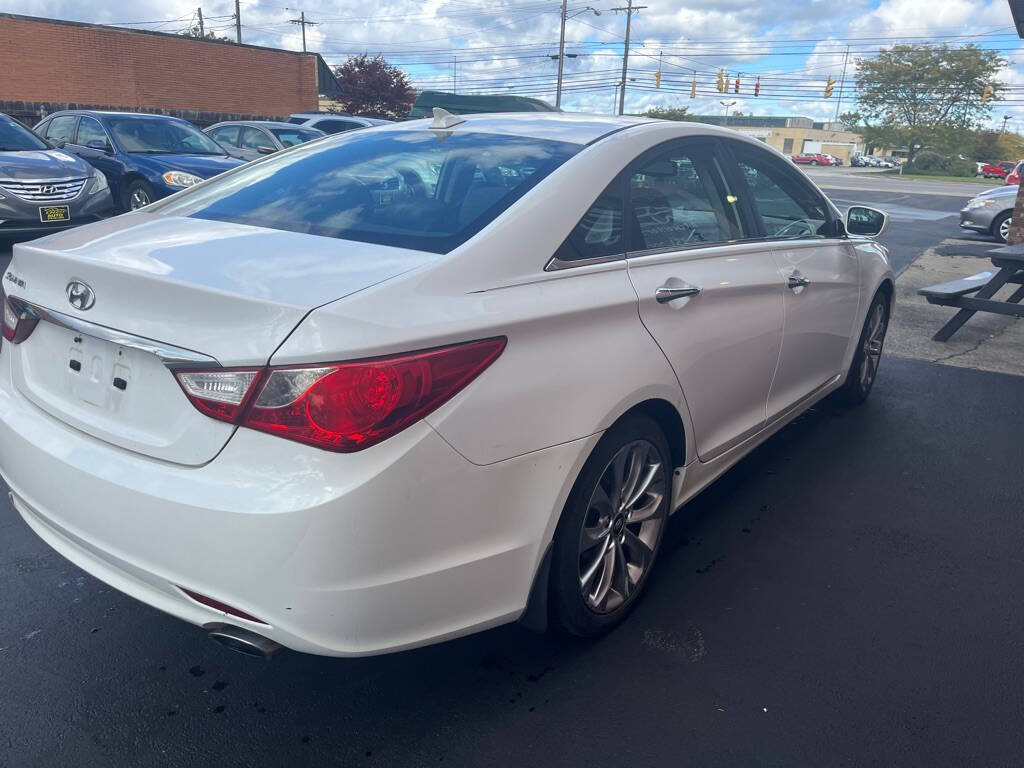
[
  {"x": 855, "y": 389},
  {"x": 997, "y": 225},
  {"x": 133, "y": 191},
  {"x": 814, "y": 162},
  {"x": 570, "y": 609}
]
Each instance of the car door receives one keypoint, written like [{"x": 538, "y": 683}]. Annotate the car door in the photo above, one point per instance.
[
  {"x": 61, "y": 129},
  {"x": 818, "y": 265},
  {"x": 93, "y": 145},
  {"x": 251, "y": 139},
  {"x": 709, "y": 292}
]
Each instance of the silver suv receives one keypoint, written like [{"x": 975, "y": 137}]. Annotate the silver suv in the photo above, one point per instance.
[{"x": 42, "y": 187}]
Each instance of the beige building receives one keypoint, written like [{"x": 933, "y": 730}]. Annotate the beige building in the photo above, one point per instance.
[{"x": 794, "y": 135}]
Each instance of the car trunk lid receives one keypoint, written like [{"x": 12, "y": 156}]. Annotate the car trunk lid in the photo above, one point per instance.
[{"x": 169, "y": 289}]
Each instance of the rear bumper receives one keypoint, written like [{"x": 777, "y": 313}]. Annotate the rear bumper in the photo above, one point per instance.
[{"x": 400, "y": 545}]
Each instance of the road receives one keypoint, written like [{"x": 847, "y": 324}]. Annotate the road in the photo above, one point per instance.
[{"x": 847, "y": 595}]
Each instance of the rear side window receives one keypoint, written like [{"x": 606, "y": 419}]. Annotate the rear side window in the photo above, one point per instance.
[
  {"x": 417, "y": 189},
  {"x": 676, "y": 201},
  {"x": 599, "y": 234},
  {"x": 254, "y": 138},
  {"x": 788, "y": 208},
  {"x": 61, "y": 128}
]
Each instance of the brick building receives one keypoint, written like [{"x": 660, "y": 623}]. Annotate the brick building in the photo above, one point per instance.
[{"x": 46, "y": 65}]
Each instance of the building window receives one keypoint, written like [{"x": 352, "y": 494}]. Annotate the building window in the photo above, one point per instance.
[{"x": 787, "y": 146}]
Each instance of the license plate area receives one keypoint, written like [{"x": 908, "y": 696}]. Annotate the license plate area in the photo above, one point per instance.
[
  {"x": 98, "y": 372},
  {"x": 52, "y": 213}
]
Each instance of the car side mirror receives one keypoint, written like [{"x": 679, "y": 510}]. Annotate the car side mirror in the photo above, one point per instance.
[
  {"x": 868, "y": 222},
  {"x": 102, "y": 146},
  {"x": 58, "y": 144},
  {"x": 264, "y": 150}
]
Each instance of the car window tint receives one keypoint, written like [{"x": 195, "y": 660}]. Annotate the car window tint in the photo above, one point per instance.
[
  {"x": 254, "y": 138},
  {"x": 90, "y": 129},
  {"x": 788, "y": 207},
  {"x": 226, "y": 135},
  {"x": 675, "y": 201},
  {"x": 419, "y": 189},
  {"x": 599, "y": 233},
  {"x": 289, "y": 137},
  {"x": 61, "y": 128},
  {"x": 15, "y": 137},
  {"x": 335, "y": 126}
]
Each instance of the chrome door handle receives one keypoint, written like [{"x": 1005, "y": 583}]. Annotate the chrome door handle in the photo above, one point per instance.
[
  {"x": 798, "y": 281},
  {"x": 664, "y": 294}
]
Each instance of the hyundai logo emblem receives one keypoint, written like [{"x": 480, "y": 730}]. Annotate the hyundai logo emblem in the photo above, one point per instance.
[
  {"x": 80, "y": 295},
  {"x": 48, "y": 189}
]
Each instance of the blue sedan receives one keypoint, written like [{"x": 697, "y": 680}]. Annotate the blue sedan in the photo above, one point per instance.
[{"x": 144, "y": 157}]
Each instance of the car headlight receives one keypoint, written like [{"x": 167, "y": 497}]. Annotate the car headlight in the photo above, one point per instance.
[
  {"x": 99, "y": 183},
  {"x": 181, "y": 179},
  {"x": 979, "y": 203}
]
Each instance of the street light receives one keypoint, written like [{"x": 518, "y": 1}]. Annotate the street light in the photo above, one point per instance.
[
  {"x": 561, "y": 45},
  {"x": 727, "y": 105}
]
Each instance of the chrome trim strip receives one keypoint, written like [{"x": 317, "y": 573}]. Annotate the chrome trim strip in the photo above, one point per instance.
[
  {"x": 170, "y": 355},
  {"x": 555, "y": 263}
]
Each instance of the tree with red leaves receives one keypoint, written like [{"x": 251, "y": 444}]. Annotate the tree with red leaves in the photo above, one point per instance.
[{"x": 371, "y": 87}]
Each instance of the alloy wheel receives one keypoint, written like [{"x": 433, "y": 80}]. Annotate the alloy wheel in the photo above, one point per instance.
[
  {"x": 139, "y": 199},
  {"x": 1004, "y": 229},
  {"x": 872, "y": 349},
  {"x": 622, "y": 526}
]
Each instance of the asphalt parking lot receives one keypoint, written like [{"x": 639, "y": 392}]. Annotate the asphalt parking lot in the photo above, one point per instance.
[{"x": 847, "y": 595}]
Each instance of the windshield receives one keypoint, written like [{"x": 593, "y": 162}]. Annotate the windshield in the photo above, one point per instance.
[
  {"x": 289, "y": 137},
  {"x": 156, "y": 137},
  {"x": 14, "y": 137},
  {"x": 417, "y": 189}
]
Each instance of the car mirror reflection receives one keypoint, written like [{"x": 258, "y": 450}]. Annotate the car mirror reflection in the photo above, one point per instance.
[{"x": 868, "y": 222}]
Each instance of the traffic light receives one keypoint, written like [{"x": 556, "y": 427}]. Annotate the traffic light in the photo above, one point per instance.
[
  {"x": 757, "y": 87},
  {"x": 736, "y": 85},
  {"x": 657, "y": 78},
  {"x": 829, "y": 86},
  {"x": 722, "y": 87},
  {"x": 986, "y": 94},
  {"x": 693, "y": 88}
]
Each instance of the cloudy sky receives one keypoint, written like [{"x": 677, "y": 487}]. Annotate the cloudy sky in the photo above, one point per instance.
[{"x": 507, "y": 45}]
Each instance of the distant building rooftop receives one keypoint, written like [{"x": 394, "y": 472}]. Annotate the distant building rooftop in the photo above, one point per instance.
[{"x": 767, "y": 121}]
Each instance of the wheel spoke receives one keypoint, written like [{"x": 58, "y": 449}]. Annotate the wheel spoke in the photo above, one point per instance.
[
  {"x": 597, "y": 524},
  {"x": 643, "y": 484},
  {"x": 648, "y": 510},
  {"x": 604, "y": 583},
  {"x": 634, "y": 467},
  {"x": 592, "y": 569}
]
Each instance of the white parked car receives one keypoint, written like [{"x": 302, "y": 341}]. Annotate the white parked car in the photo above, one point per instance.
[{"x": 406, "y": 383}]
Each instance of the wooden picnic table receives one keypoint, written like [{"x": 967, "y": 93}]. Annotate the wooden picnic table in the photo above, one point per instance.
[{"x": 1009, "y": 261}]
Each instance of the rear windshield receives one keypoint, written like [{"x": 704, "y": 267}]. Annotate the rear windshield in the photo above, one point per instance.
[
  {"x": 419, "y": 189},
  {"x": 14, "y": 137}
]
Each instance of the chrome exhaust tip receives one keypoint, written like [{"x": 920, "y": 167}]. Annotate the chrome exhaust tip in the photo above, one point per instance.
[{"x": 242, "y": 641}]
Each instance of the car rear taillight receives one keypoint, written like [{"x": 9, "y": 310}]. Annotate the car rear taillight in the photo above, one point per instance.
[
  {"x": 342, "y": 407},
  {"x": 17, "y": 325}
]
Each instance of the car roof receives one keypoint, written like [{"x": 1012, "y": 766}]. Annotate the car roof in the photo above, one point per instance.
[
  {"x": 114, "y": 113},
  {"x": 571, "y": 127},
  {"x": 339, "y": 116},
  {"x": 259, "y": 124}
]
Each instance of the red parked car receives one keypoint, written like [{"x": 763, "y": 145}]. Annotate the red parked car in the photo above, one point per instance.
[
  {"x": 1013, "y": 177},
  {"x": 812, "y": 159},
  {"x": 997, "y": 170}
]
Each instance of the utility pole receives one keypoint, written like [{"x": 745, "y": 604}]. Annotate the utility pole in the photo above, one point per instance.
[
  {"x": 630, "y": 9},
  {"x": 561, "y": 45},
  {"x": 455, "y": 74},
  {"x": 202, "y": 31},
  {"x": 842, "y": 79},
  {"x": 301, "y": 21},
  {"x": 238, "y": 23}
]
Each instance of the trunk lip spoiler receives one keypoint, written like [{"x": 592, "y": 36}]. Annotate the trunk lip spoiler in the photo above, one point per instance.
[{"x": 170, "y": 355}]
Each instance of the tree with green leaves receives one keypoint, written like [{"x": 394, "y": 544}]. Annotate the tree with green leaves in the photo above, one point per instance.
[
  {"x": 372, "y": 87},
  {"x": 668, "y": 113},
  {"x": 197, "y": 31},
  {"x": 924, "y": 96}
]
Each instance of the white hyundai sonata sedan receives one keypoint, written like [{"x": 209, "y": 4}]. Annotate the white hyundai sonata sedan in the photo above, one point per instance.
[{"x": 406, "y": 383}]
